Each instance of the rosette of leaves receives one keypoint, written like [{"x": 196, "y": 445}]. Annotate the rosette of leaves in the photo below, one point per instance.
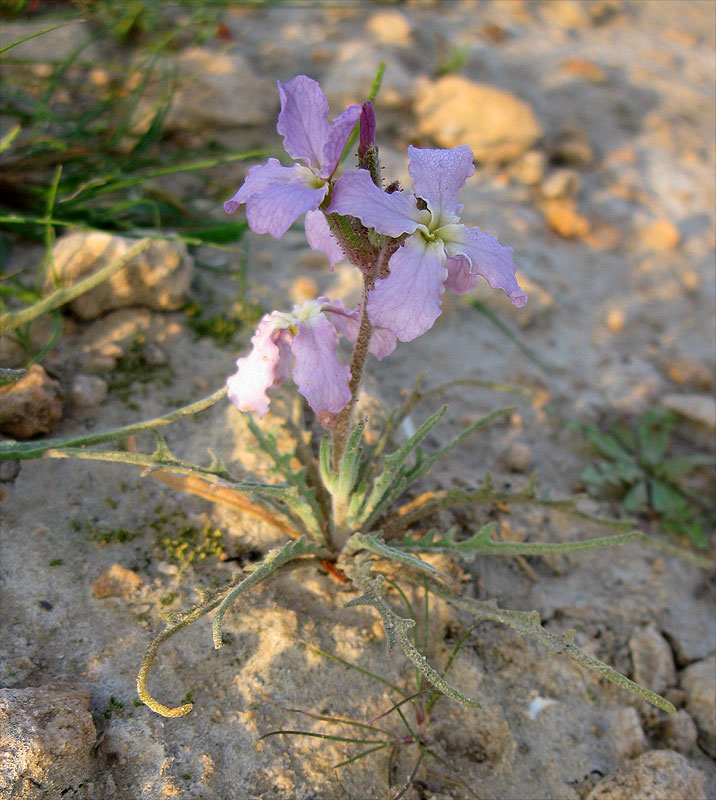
[{"x": 638, "y": 468}]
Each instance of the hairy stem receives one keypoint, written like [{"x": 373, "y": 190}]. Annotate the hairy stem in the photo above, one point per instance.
[{"x": 342, "y": 424}]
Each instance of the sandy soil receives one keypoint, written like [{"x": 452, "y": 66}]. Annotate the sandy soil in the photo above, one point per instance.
[{"x": 621, "y": 315}]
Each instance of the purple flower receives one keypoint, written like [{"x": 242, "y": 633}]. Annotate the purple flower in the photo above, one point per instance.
[
  {"x": 439, "y": 251},
  {"x": 276, "y": 196},
  {"x": 302, "y": 344}
]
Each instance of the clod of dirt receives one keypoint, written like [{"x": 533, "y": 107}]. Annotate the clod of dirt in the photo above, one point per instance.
[{"x": 32, "y": 405}]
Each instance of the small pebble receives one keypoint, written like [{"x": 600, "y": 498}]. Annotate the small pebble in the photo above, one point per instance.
[
  {"x": 88, "y": 391},
  {"x": 699, "y": 408},
  {"x": 679, "y": 732},
  {"x": 117, "y": 581},
  {"x": 519, "y": 457},
  {"x": 32, "y": 405},
  {"x": 561, "y": 183},
  {"x": 653, "y": 660}
]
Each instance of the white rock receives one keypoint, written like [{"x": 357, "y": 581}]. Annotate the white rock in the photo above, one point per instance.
[
  {"x": 700, "y": 408},
  {"x": 158, "y": 277}
]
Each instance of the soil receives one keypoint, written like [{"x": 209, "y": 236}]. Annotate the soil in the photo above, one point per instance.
[{"x": 621, "y": 315}]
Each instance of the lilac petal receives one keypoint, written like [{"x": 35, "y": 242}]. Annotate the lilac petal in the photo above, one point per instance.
[
  {"x": 275, "y": 197},
  {"x": 438, "y": 175},
  {"x": 319, "y": 375},
  {"x": 407, "y": 302},
  {"x": 461, "y": 279},
  {"x": 258, "y": 371},
  {"x": 338, "y": 135},
  {"x": 392, "y": 214},
  {"x": 320, "y": 237},
  {"x": 302, "y": 120},
  {"x": 489, "y": 258},
  {"x": 382, "y": 341},
  {"x": 367, "y": 126}
]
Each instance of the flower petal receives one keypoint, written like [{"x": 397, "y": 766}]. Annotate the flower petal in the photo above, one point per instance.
[
  {"x": 407, "y": 302},
  {"x": 489, "y": 258},
  {"x": 338, "y": 134},
  {"x": 319, "y": 375},
  {"x": 320, "y": 237},
  {"x": 258, "y": 371},
  {"x": 275, "y": 197},
  {"x": 302, "y": 121},
  {"x": 461, "y": 279},
  {"x": 347, "y": 322},
  {"x": 392, "y": 214},
  {"x": 438, "y": 175}
]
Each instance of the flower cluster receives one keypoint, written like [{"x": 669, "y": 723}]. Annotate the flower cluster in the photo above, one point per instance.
[{"x": 409, "y": 246}]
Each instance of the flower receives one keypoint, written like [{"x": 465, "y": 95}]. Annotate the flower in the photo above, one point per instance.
[
  {"x": 276, "y": 196},
  {"x": 302, "y": 343},
  {"x": 438, "y": 252}
]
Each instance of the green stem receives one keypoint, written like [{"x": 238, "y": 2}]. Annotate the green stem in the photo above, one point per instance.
[{"x": 21, "y": 450}]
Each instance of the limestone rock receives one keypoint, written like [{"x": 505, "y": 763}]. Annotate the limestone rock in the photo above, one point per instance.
[
  {"x": 497, "y": 125},
  {"x": 700, "y": 408},
  {"x": 699, "y": 682},
  {"x": 389, "y": 27},
  {"x": 625, "y": 733},
  {"x": 46, "y": 739},
  {"x": 653, "y": 661},
  {"x": 658, "y": 775},
  {"x": 31, "y": 405},
  {"x": 158, "y": 277},
  {"x": 679, "y": 732},
  {"x": 220, "y": 90}
]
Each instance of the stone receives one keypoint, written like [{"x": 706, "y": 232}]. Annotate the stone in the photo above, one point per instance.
[
  {"x": 157, "y": 278},
  {"x": 581, "y": 68},
  {"x": 656, "y": 775},
  {"x": 53, "y": 46},
  {"x": 661, "y": 236},
  {"x": 699, "y": 682},
  {"x": 117, "y": 581},
  {"x": 652, "y": 659},
  {"x": 678, "y": 731},
  {"x": 563, "y": 218},
  {"x": 352, "y": 73},
  {"x": 88, "y": 391},
  {"x": 31, "y": 405},
  {"x": 560, "y": 183},
  {"x": 219, "y": 90},
  {"x": 625, "y": 733},
  {"x": 389, "y": 27},
  {"x": 518, "y": 457},
  {"x": 529, "y": 168},
  {"x": 46, "y": 740},
  {"x": 565, "y": 14},
  {"x": 699, "y": 408},
  {"x": 497, "y": 125},
  {"x": 571, "y": 147}
]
